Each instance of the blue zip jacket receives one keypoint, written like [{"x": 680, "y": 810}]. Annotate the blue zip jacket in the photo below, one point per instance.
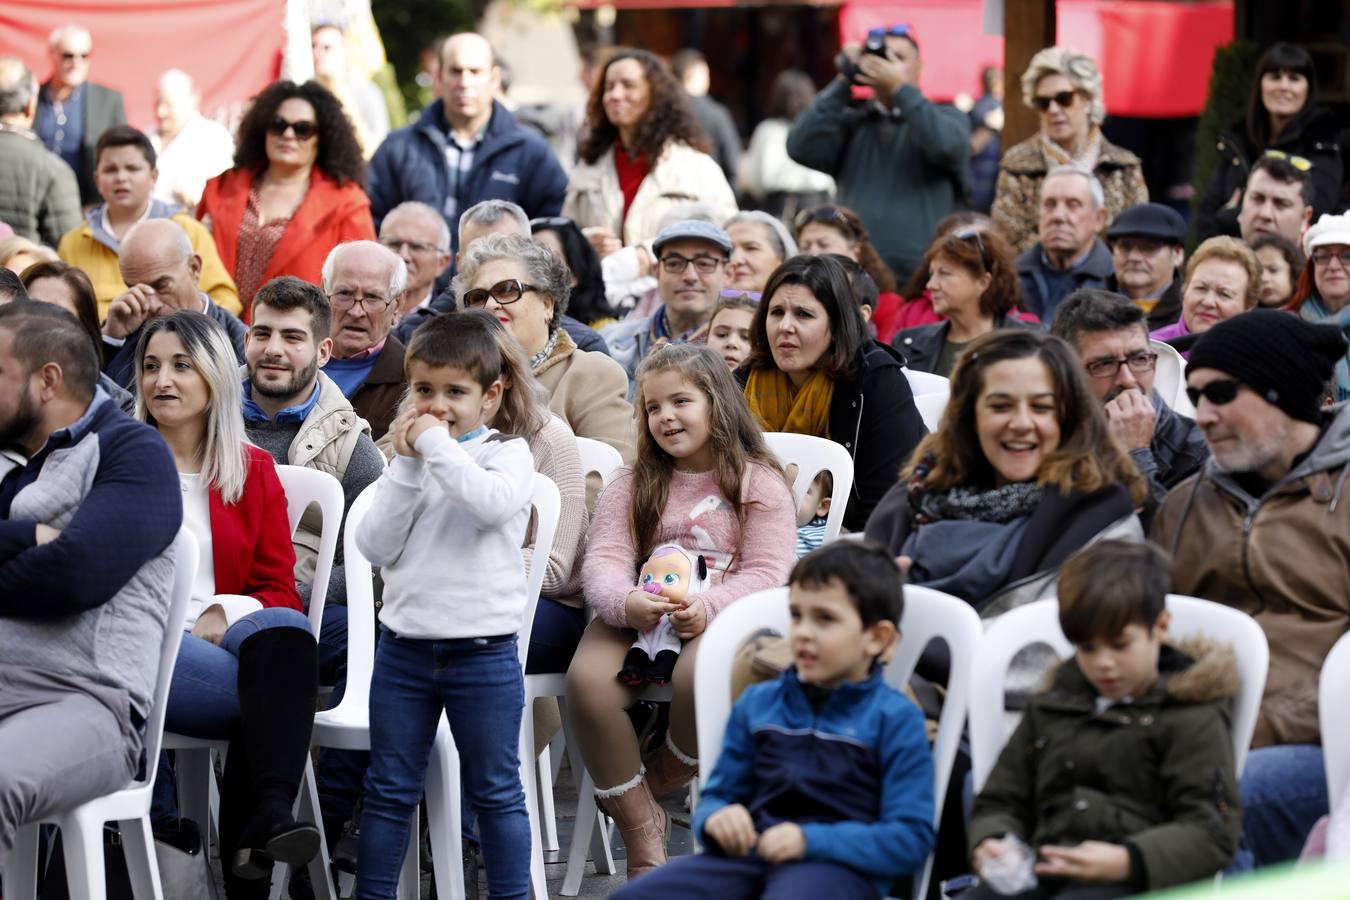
[
  {"x": 854, "y": 771},
  {"x": 511, "y": 162}
]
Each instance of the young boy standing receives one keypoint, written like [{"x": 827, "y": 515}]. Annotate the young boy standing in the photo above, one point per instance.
[
  {"x": 1121, "y": 774},
  {"x": 825, "y": 783}
]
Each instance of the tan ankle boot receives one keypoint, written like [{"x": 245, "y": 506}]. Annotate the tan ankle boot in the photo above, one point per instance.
[
  {"x": 644, "y": 825},
  {"x": 668, "y": 769}
]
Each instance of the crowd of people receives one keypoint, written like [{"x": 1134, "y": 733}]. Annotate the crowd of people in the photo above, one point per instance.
[{"x": 435, "y": 314}]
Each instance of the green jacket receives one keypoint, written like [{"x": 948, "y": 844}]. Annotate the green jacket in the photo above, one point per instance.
[
  {"x": 1156, "y": 775},
  {"x": 900, "y": 171}
]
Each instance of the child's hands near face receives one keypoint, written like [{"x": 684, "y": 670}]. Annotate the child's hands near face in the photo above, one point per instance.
[
  {"x": 733, "y": 829},
  {"x": 1089, "y": 861},
  {"x": 782, "y": 843},
  {"x": 691, "y": 620},
  {"x": 643, "y": 610},
  {"x": 402, "y": 446},
  {"x": 421, "y": 424}
]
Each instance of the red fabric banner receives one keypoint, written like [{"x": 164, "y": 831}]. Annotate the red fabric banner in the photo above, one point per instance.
[{"x": 231, "y": 48}]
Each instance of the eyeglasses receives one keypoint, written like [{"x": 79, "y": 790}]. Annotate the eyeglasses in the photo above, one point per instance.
[
  {"x": 1321, "y": 257},
  {"x": 1140, "y": 362},
  {"x": 371, "y": 303},
  {"x": 504, "y": 292},
  {"x": 303, "y": 131},
  {"x": 1301, "y": 163},
  {"x": 674, "y": 263},
  {"x": 1218, "y": 393},
  {"x": 1064, "y": 99},
  {"x": 967, "y": 234},
  {"x": 71, "y": 57},
  {"x": 415, "y": 246},
  {"x": 830, "y": 215}
]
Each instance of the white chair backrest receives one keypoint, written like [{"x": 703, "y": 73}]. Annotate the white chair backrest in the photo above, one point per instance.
[
  {"x": 931, "y": 407},
  {"x": 926, "y": 382},
  {"x": 1169, "y": 378},
  {"x": 185, "y": 553},
  {"x": 547, "y": 509},
  {"x": 811, "y": 455},
  {"x": 598, "y": 457},
  {"x": 1038, "y": 622},
  {"x": 928, "y": 615},
  {"x": 1333, "y": 687},
  {"x": 360, "y": 578},
  {"x": 303, "y": 487}
]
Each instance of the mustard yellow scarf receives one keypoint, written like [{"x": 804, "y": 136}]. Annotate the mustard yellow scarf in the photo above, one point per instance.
[{"x": 781, "y": 407}]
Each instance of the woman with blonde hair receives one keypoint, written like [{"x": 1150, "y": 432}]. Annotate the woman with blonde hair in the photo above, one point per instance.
[
  {"x": 1065, "y": 89},
  {"x": 1223, "y": 278}
]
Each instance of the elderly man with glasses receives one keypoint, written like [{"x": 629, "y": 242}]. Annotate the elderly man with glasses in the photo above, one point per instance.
[
  {"x": 72, "y": 110},
  {"x": 1109, "y": 334}
]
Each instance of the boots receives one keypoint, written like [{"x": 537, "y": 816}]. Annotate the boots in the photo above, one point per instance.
[
  {"x": 644, "y": 825},
  {"x": 278, "y": 683},
  {"x": 668, "y": 769}
]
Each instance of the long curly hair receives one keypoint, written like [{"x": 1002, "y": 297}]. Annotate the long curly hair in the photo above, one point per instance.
[
  {"x": 669, "y": 117},
  {"x": 339, "y": 153},
  {"x": 979, "y": 251}
]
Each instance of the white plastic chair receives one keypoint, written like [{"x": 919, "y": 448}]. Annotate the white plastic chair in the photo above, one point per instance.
[
  {"x": 928, "y": 615},
  {"x": 926, "y": 382},
  {"x": 82, "y": 827},
  {"x": 1038, "y": 622},
  {"x": 811, "y": 455},
  {"x": 1169, "y": 378},
  {"x": 931, "y": 407},
  {"x": 1333, "y": 686},
  {"x": 598, "y": 457}
]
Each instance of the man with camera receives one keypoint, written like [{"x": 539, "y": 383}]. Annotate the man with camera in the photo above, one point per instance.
[{"x": 900, "y": 162}]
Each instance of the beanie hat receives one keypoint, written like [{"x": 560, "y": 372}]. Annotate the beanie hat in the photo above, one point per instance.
[{"x": 1284, "y": 359}]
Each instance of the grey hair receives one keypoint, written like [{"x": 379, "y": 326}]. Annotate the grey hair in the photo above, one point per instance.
[
  {"x": 1079, "y": 68},
  {"x": 784, "y": 245},
  {"x": 490, "y": 212},
  {"x": 224, "y": 463},
  {"x": 1094, "y": 186},
  {"x": 57, "y": 33},
  {"x": 181, "y": 242},
  {"x": 17, "y": 86},
  {"x": 398, "y": 271},
  {"x": 542, "y": 269},
  {"x": 426, "y": 209}
]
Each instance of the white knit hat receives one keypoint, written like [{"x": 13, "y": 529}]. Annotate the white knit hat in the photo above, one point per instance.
[{"x": 1328, "y": 230}]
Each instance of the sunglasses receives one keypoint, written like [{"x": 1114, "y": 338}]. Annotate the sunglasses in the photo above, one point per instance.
[
  {"x": 1300, "y": 163},
  {"x": 973, "y": 234},
  {"x": 302, "y": 130},
  {"x": 1064, "y": 99},
  {"x": 504, "y": 292},
  {"x": 1218, "y": 393},
  {"x": 904, "y": 31}
]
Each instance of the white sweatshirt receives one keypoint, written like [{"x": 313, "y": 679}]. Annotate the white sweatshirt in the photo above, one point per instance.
[{"x": 447, "y": 528}]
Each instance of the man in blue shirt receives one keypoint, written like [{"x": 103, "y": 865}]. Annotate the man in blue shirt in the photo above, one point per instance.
[{"x": 73, "y": 111}]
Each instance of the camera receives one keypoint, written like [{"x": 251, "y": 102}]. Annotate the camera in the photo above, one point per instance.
[{"x": 875, "y": 44}]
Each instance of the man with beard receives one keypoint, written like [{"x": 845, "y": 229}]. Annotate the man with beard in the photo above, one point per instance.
[
  {"x": 89, "y": 508},
  {"x": 1265, "y": 529},
  {"x": 1111, "y": 338}
]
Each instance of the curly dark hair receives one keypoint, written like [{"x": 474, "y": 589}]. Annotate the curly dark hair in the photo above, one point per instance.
[
  {"x": 339, "y": 154},
  {"x": 669, "y": 117}
]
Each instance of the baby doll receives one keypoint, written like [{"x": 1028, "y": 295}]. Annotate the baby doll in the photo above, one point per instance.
[{"x": 676, "y": 574}]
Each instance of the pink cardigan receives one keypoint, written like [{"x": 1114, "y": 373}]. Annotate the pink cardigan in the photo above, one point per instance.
[{"x": 699, "y": 518}]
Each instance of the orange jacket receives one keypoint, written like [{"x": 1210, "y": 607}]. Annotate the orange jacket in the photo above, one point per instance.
[{"x": 329, "y": 215}]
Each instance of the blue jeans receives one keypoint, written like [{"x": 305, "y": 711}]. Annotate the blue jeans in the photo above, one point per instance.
[
  {"x": 1284, "y": 793},
  {"x": 553, "y": 639},
  {"x": 204, "y": 694},
  {"x": 478, "y": 684}
]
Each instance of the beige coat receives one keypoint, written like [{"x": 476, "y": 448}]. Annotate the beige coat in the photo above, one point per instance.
[
  {"x": 681, "y": 175},
  {"x": 589, "y": 391}
]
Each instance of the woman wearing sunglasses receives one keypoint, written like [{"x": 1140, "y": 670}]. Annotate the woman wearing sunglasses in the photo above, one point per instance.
[
  {"x": 1283, "y": 118},
  {"x": 294, "y": 192},
  {"x": 1223, "y": 278},
  {"x": 1065, "y": 89},
  {"x": 1323, "y": 292},
  {"x": 973, "y": 283}
]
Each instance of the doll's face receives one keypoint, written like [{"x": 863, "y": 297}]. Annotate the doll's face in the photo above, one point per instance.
[{"x": 670, "y": 572}]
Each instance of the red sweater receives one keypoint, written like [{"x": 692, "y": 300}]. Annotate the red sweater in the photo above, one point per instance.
[{"x": 251, "y": 539}]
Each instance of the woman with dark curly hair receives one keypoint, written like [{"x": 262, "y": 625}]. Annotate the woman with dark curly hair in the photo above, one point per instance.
[
  {"x": 294, "y": 192},
  {"x": 837, "y": 229},
  {"x": 644, "y": 154}
]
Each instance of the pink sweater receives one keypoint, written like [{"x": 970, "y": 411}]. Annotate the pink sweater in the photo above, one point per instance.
[{"x": 700, "y": 519}]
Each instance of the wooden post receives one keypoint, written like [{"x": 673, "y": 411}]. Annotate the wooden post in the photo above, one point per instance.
[{"x": 1028, "y": 27}]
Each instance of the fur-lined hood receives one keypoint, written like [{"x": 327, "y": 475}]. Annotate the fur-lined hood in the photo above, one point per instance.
[{"x": 1193, "y": 670}]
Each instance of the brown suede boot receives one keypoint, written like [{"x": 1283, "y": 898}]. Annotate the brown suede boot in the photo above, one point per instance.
[
  {"x": 668, "y": 769},
  {"x": 644, "y": 825}
]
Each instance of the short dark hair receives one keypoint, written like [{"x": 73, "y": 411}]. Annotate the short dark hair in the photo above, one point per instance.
[
  {"x": 865, "y": 290},
  {"x": 1283, "y": 171},
  {"x": 1292, "y": 253},
  {"x": 684, "y": 60},
  {"x": 458, "y": 338},
  {"x": 867, "y": 571},
  {"x": 286, "y": 292},
  {"x": 11, "y": 288},
  {"x": 81, "y": 288},
  {"x": 1110, "y": 585},
  {"x": 828, "y": 281},
  {"x": 45, "y": 333},
  {"x": 124, "y": 136},
  {"x": 1095, "y": 310}
]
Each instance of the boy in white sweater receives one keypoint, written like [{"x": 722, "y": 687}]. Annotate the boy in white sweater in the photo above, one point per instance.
[{"x": 446, "y": 527}]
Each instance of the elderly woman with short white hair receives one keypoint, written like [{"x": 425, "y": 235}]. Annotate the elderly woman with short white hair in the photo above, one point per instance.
[
  {"x": 1065, "y": 89},
  {"x": 760, "y": 243}
]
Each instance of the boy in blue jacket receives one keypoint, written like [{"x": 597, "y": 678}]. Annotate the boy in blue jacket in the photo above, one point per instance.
[{"x": 825, "y": 783}]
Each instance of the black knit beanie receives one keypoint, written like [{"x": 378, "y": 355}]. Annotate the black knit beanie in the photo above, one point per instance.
[{"x": 1284, "y": 359}]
